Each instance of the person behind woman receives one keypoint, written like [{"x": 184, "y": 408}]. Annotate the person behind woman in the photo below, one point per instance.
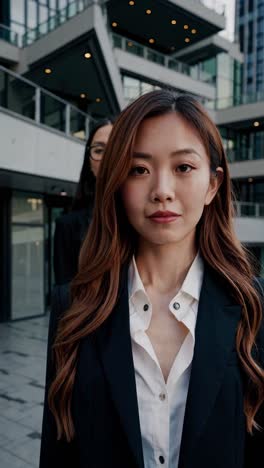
[
  {"x": 158, "y": 350},
  {"x": 71, "y": 228}
]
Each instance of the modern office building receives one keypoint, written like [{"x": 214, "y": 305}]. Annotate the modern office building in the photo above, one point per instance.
[{"x": 64, "y": 63}]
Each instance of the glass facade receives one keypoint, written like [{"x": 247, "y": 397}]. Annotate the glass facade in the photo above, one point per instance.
[
  {"x": 226, "y": 74},
  {"x": 134, "y": 87},
  {"x": 29, "y": 14},
  {"x": 243, "y": 145},
  {"x": 250, "y": 32},
  {"x": 27, "y": 253}
]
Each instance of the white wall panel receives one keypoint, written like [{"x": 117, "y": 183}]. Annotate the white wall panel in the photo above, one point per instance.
[{"x": 28, "y": 148}]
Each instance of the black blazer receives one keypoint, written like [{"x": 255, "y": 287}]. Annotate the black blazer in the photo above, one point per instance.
[
  {"x": 70, "y": 231},
  {"x": 104, "y": 403}
]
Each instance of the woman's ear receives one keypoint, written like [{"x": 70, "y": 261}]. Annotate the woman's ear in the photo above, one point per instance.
[{"x": 216, "y": 180}]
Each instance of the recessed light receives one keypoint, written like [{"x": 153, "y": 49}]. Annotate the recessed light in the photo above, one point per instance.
[
  {"x": 186, "y": 26},
  {"x": 151, "y": 41},
  {"x": 131, "y": 3},
  {"x": 187, "y": 39},
  {"x": 148, "y": 12},
  {"x": 256, "y": 124},
  {"x": 63, "y": 193},
  {"x": 130, "y": 44},
  {"x": 250, "y": 179},
  {"x": 114, "y": 24},
  {"x": 87, "y": 55},
  {"x": 98, "y": 99},
  {"x": 194, "y": 31},
  {"x": 83, "y": 95},
  {"x": 48, "y": 71},
  {"x": 173, "y": 21}
]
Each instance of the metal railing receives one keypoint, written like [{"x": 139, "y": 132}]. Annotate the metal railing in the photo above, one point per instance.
[
  {"x": 249, "y": 209},
  {"x": 244, "y": 154},
  {"x": 25, "y": 98},
  {"x": 233, "y": 101},
  {"x": 72, "y": 9},
  {"x": 147, "y": 53},
  {"x": 8, "y": 35}
]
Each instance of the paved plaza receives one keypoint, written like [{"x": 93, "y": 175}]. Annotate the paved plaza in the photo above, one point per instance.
[{"x": 22, "y": 375}]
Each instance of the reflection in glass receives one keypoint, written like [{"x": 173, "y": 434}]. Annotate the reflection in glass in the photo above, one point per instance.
[{"x": 27, "y": 271}]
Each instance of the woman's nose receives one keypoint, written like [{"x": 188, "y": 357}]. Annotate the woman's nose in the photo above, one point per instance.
[{"x": 163, "y": 188}]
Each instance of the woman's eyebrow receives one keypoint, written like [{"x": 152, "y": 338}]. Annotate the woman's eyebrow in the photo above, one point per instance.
[
  {"x": 141, "y": 155},
  {"x": 99, "y": 143}
]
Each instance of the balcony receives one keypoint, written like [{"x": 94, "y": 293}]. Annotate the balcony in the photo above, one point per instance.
[
  {"x": 22, "y": 97},
  {"x": 10, "y": 36},
  {"x": 249, "y": 222},
  {"x": 65, "y": 14},
  {"x": 10, "y": 42},
  {"x": 166, "y": 61},
  {"x": 244, "y": 154},
  {"x": 42, "y": 137},
  {"x": 249, "y": 209},
  {"x": 160, "y": 69}
]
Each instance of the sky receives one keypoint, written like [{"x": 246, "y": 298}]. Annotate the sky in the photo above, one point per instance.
[{"x": 229, "y": 6}]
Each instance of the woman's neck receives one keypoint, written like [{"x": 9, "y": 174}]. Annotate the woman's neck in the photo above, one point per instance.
[{"x": 164, "y": 267}]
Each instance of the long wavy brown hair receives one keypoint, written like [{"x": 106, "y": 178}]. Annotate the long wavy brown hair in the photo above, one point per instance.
[{"x": 111, "y": 241}]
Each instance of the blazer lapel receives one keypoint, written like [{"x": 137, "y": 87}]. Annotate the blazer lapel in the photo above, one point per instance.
[
  {"x": 114, "y": 344},
  {"x": 215, "y": 333}
]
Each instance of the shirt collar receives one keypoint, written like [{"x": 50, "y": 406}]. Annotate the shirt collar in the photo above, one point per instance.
[{"x": 192, "y": 283}]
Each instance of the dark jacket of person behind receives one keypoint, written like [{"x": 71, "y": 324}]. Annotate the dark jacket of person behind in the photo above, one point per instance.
[{"x": 71, "y": 228}]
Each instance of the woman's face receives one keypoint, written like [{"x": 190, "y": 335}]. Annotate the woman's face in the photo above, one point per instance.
[
  {"x": 97, "y": 147},
  {"x": 170, "y": 181}
]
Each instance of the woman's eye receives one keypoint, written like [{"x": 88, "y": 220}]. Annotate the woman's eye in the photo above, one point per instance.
[
  {"x": 99, "y": 150},
  {"x": 138, "y": 170},
  {"x": 184, "y": 168}
]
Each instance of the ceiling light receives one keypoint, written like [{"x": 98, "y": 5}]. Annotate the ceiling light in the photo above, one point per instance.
[
  {"x": 151, "y": 41},
  {"x": 131, "y": 3},
  {"x": 186, "y": 26},
  {"x": 48, "y": 71},
  {"x": 63, "y": 193},
  {"x": 256, "y": 124},
  {"x": 148, "y": 12},
  {"x": 194, "y": 31},
  {"x": 250, "y": 179},
  {"x": 114, "y": 24},
  {"x": 173, "y": 21},
  {"x": 98, "y": 99},
  {"x": 82, "y": 95},
  {"x": 130, "y": 44},
  {"x": 87, "y": 55},
  {"x": 187, "y": 39}
]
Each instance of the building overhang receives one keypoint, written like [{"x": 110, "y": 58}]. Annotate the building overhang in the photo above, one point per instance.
[
  {"x": 242, "y": 116},
  {"x": 135, "y": 23},
  {"x": 209, "y": 47},
  {"x": 93, "y": 83},
  {"x": 9, "y": 53}
]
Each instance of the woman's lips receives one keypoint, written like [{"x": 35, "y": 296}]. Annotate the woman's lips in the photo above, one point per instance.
[{"x": 163, "y": 217}]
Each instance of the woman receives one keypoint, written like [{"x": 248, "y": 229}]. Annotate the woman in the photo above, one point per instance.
[
  {"x": 158, "y": 352},
  {"x": 71, "y": 228}
]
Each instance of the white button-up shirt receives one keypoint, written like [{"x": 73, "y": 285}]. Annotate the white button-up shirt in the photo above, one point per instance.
[{"x": 162, "y": 405}]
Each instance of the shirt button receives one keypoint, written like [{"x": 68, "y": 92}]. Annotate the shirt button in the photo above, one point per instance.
[
  {"x": 161, "y": 459},
  {"x": 146, "y": 307},
  {"x": 162, "y": 396},
  {"x": 176, "y": 305}
]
